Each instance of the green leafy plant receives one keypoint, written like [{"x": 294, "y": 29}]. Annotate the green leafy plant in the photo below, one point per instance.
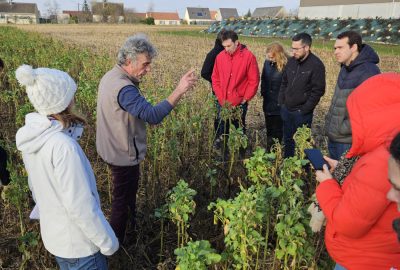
[
  {"x": 261, "y": 169},
  {"x": 196, "y": 256},
  {"x": 211, "y": 175},
  {"x": 180, "y": 205},
  {"x": 28, "y": 241},
  {"x": 237, "y": 140},
  {"x": 240, "y": 218},
  {"x": 162, "y": 214}
]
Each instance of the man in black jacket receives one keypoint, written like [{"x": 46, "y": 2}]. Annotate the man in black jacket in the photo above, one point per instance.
[
  {"x": 303, "y": 84},
  {"x": 206, "y": 72},
  {"x": 358, "y": 63},
  {"x": 208, "y": 66}
]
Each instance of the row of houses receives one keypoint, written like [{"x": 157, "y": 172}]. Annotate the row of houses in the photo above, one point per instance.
[{"x": 27, "y": 13}]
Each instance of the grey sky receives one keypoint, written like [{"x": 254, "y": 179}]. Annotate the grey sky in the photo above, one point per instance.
[{"x": 174, "y": 5}]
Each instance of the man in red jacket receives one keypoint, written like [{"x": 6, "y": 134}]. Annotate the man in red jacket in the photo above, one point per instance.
[{"x": 235, "y": 79}]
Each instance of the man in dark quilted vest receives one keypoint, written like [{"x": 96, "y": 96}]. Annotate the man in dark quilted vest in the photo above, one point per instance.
[
  {"x": 358, "y": 63},
  {"x": 122, "y": 114}
]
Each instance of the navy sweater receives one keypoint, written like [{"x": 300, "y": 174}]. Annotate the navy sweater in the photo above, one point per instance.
[{"x": 130, "y": 100}]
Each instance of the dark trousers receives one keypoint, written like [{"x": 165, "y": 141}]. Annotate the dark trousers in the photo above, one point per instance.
[
  {"x": 274, "y": 125},
  {"x": 125, "y": 181},
  {"x": 4, "y": 173},
  {"x": 222, "y": 127},
  {"x": 336, "y": 150},
  {"x": 292, "y": 120}
]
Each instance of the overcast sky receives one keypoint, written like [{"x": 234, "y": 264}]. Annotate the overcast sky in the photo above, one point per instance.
[{"x": 173, "y": 5}]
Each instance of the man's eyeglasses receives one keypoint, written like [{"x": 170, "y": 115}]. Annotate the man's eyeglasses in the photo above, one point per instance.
[{"x": 296, "y": 49}]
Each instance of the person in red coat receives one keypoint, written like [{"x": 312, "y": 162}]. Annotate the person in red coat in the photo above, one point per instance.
[
  {"x": 235, "y": 78},
  {"x": 359, "y": 234}
]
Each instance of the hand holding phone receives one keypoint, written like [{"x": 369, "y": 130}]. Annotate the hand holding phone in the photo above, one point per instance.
[{"x": 316, "y": 158}]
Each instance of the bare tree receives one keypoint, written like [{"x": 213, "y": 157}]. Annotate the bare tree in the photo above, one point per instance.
[
  {"x": 52, "y": 7},
  {"x": 150, "y": 7},
  {"x": 108, "y": 12},
  {"x": 131, "y": 16}
]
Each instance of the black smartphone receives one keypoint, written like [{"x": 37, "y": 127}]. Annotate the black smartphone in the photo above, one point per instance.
[{"x": 316, "y": 158}]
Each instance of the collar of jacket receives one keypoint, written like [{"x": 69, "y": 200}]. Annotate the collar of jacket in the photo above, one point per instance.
[
  {"x": 366, "y": 55},
  {"x": 131, "y": 78},
  {"x": 238, "y": 50},
  {"x": 218, "y": 45},
  {"x": 300, "y": 62}
]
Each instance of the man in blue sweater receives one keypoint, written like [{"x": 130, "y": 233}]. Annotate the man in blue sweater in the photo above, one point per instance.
[{"x": 122, "y": 114}]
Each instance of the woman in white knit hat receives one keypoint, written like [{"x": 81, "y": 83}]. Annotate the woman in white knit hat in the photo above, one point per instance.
[{"x": 72, "y": 225}]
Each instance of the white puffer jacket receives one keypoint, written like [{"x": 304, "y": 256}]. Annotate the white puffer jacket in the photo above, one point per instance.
[{"x": 63, "y": 185}]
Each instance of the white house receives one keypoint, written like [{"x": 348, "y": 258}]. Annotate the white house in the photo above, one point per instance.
[
  {"x": 19, "y": 13},
  {"x": 195, "y": 15},
  {"x": 226, "y": 14},
  {"x": 164, "y": 18},
  {"x": 356, "y": 9}
]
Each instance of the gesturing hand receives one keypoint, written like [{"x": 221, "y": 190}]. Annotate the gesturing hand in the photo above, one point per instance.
[{"x": 187, "y": 81}]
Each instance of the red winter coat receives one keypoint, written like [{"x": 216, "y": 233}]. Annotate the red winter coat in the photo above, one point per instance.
[
  {"x": 235, "y": 77},
  {"x": 359, "y": 234}
]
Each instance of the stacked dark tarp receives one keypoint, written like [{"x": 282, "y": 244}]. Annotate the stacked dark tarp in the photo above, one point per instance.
[{"x": 376, "y": 30}]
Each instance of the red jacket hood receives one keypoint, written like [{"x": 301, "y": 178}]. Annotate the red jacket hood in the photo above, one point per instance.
[
  {"x": 374, "y": 110},
  {"x": 240, "y": 48}
]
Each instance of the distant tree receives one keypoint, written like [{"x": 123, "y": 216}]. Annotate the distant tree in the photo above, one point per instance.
[
  {"x": 85, "y": 7},
  {"x": 248, "y": 14},
  {"x": 149, "y": 21},
  {"x": 107, "y": 11},
  {"x": 130, "y": 16},
  {"x": 73, "y": 19},
  {"x": 86, "y": 15}
]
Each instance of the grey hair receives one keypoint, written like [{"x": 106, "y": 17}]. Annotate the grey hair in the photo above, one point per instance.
[{"x": 134, "y": 45}]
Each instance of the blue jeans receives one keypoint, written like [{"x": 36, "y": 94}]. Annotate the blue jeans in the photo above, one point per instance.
[
  {"x": 336, "y": 150},
  {"x": 292, "y": 120},
  {"x": 339, "y": 267},
  {"x": 96, "y": 261},
  {"x": 222, "y": 127}
]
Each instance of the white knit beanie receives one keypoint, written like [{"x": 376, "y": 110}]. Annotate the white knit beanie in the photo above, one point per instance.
[{"x": 49, "y": 90}]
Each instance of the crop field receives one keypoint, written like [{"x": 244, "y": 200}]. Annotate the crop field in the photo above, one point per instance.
[{"x": 193, "y": 211}]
